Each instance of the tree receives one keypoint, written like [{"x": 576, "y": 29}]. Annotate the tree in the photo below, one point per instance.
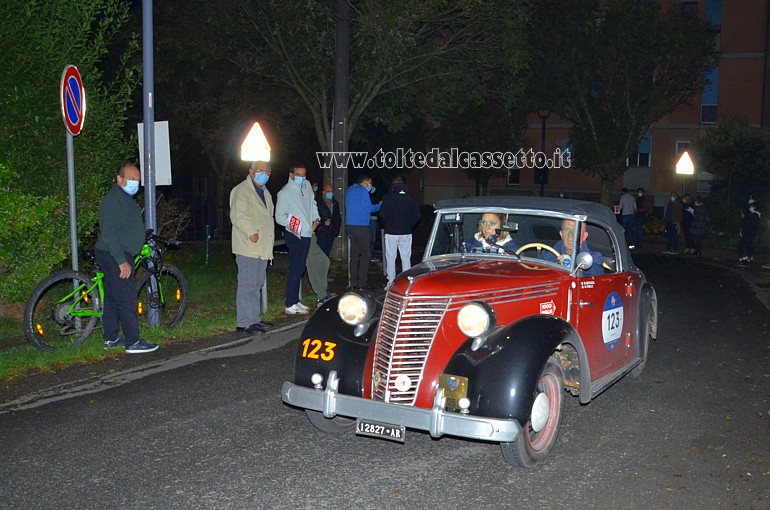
[
  {"x": 398, "y": 47},
  {"x": 735, "y": 150},
  {"x": 39, "y": 37},
  {"x": 739, "y": 154},
  {"x": 612, "y": 68}
]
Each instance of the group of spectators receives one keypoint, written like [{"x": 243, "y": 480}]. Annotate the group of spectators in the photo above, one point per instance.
[
  {"x": 311, "y": 219},
  {"x": 309, "y": 222},
  {"x": 633, "y": 212},
  {"x": 688, "y": 218}
]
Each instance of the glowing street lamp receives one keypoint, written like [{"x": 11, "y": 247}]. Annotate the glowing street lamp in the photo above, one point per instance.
[
  {"x": 255, "y": 146},
  {"x": 685, "y": 167}
]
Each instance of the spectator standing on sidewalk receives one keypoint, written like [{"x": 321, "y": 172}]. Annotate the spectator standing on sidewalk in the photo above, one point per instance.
[
  {"x": 642, "y": 209},
  {"x": 749, "y": 227},
  {"x": 297, "y": 212},
  {"x": 121, "y": 236},
  {"x": 358, "y": 209},
  {"x": 329, "y": 211},
  {"x": 699, "y": 225},
  {"x": 399, "y": 214},
  {"x": 253, "y": 237},
  {"x": 673, "y": 218},
  {"x": 627, "y": 205}
]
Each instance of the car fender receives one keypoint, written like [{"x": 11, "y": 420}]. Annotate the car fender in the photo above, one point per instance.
[
  {"x": 503, "y": 372},
  {"x": 328, "y": 343}
]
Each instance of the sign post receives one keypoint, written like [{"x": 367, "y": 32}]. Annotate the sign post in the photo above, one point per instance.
[{"x": 73, "y": 108}]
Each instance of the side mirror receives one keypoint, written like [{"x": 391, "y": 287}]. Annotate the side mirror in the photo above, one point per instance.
[{"x": 584, "y": 260}]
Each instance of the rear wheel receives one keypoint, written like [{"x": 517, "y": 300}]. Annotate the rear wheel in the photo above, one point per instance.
[
  {"x": 538, "y": 436},
  {"x": 336, "y": 425},
  {"x": 170, "y": 299},
  {"x": 644, "y": 345},
  {"x": 50, "y": 316}
]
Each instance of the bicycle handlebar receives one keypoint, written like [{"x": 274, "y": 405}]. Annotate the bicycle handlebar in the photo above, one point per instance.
[{"x": 167, "y": 242}]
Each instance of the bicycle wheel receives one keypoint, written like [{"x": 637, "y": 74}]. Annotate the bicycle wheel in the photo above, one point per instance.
[
  {"x": 171, "y": 299},
  {"x": 49, "y": 321}
]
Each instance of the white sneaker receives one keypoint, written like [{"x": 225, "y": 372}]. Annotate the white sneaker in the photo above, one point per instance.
[
  {"x": 296, "y": 310},
  {"x": 301, "y": 305}
]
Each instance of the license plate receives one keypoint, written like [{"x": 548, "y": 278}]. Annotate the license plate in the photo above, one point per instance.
[{"x": 381, "y": 430}]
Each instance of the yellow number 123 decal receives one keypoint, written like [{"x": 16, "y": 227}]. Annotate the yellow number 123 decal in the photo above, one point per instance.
[{"x": 317, "y": 349}]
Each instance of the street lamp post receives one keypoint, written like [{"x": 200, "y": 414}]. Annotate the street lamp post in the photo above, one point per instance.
[{"x": 685, "y": 167}]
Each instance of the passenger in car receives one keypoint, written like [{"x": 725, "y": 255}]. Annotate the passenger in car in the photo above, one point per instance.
[
  {"x": 567, "y": 234},
  {"x": 490, "y": 226}
]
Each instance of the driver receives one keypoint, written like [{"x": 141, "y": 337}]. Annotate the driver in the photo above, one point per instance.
[
  {"x": 567, "y": 234},
  {"x": 491, "y": 225}
]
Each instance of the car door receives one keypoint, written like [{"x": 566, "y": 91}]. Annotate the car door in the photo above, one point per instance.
[{"x": 606, "y": 309}]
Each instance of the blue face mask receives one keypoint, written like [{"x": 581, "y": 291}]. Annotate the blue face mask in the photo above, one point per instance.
[
  {"x": 372, "y": 189},
  {"x": 330, "y": 195},
  {"x": 299, "y": 180},
  {"x": 131, "y": 187},
  {"x": 261, "y": 178}
]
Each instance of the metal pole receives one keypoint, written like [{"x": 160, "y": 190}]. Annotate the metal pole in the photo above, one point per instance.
[
  {"x": 339, "y": 175},
  {"x": 148, "y": 78},
  {"x": 72, "y": 205}
]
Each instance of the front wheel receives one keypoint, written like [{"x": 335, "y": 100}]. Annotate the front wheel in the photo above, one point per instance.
[
  {"x": 169, "y": 299},
  {"x": 61, "y": 311},
  {"x": 538, "y": 436}
]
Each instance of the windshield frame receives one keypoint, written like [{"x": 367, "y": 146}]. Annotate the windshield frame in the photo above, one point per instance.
[{"x": 551, "y": 215}]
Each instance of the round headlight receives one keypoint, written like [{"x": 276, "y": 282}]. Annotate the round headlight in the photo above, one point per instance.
[
  {"x": 475, "y": 319},
  {"x": 353, "y": 308}
]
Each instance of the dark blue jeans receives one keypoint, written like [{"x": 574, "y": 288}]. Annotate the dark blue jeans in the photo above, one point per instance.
[
  {"x": 326, "y": 244},
  {"x": 298, "y": 250},
  {"x": 672, "y": 238},
  {"x": 119, "y": 299},
  {"x": 627, "y": 220}
]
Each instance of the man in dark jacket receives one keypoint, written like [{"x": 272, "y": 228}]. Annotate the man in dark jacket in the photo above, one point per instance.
[
  {"x": 329, "y": 211},
  {"x": 121, "y": 237},
  {"x": 399, "y": 214}
]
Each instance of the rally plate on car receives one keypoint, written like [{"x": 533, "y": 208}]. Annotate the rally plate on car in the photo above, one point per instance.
[{"x": 381, "y": 430}]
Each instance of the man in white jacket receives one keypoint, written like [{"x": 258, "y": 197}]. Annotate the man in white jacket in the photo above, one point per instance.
[
  {"x": 297, "y": 212},
  {"x": 251, "y": 213}
]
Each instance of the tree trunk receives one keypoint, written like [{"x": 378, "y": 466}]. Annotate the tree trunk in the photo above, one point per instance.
[{"x": 606, "y": 191}]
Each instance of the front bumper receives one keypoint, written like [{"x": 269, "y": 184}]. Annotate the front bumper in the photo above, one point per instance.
[{"x": 437, "y": 421}]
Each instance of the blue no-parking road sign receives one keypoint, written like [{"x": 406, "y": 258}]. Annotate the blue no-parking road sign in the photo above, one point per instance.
[{"x": 73, "y": 100}]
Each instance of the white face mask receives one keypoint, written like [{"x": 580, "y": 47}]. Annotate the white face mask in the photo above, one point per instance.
[{"x": 673, "y": 199}]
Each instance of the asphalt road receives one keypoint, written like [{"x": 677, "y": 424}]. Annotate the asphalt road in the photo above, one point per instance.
[{"x": 209, "y": 430}]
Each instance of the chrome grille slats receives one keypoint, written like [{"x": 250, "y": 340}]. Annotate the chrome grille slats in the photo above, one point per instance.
[{"x": 406, "y": 332}]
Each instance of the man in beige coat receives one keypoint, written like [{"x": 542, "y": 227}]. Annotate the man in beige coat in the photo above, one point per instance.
[{"x": 251, "y": 213}]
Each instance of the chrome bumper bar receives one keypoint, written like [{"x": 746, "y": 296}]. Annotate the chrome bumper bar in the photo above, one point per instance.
[{"x": 437, "y": 421}]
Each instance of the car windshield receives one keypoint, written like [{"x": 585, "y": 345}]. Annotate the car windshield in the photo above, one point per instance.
[{"x": 497, "y": 233}]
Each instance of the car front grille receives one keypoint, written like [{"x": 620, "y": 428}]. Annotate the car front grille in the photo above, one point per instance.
[
  {"x": 406, "y": 332},
  {"x": 408, "y": 326}
]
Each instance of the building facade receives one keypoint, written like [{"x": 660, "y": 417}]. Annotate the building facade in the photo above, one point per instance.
[{"x": 738, "y": 86}]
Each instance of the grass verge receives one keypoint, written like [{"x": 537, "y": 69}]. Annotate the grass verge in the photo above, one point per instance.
[{"x": 210, "y": 311}]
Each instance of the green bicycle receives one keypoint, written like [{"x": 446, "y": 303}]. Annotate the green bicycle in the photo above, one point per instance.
[{"x": 66, "y": 307}]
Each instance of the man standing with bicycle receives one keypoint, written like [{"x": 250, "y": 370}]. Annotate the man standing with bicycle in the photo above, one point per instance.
[{"x": 121, "y": 236}]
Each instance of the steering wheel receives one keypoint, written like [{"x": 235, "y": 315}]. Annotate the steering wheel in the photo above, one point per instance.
[{"x": 538, "y": 247}]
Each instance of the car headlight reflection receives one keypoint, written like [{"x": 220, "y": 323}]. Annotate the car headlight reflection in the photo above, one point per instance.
[
  {"x": 354, "y": 309},
  {"x": 476, "y": 319}
]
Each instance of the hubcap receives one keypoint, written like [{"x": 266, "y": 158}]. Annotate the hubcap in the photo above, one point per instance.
[{"x": 540, "y": 412}]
